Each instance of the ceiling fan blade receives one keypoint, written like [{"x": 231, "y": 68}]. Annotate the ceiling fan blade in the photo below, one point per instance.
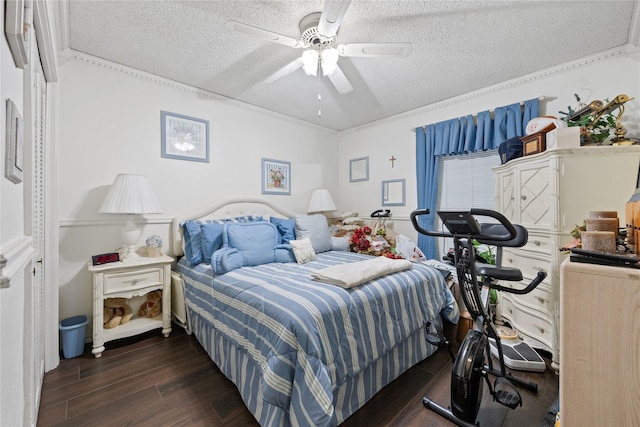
[
  {"x": 284, "y": 71},
  {"x": 340, "y": 81},
  {"x": 375, "y": 50},
  {"x": 331, "y": 18},
  {"x": 263, "y": 34}
]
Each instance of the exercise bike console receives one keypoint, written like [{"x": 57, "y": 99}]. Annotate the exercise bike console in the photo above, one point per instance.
[{"x": 473, "y": 362}]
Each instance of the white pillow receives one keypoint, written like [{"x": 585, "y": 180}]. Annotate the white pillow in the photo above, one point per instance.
[
  {"x": 316, "y": 229},
  {"x": 303, "y": 250}
]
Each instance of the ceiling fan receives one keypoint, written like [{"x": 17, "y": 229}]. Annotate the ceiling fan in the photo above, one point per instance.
[{"x": 318, "y": 33}]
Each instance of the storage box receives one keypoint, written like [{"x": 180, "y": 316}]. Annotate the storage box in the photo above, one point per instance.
[
  {"x": 566, "y": 137},
  {"x": 534, "y": 143}
]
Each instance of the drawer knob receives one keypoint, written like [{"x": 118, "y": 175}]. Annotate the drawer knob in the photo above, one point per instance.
[
  {"x": 510, "y": 261},
  {"x": 536, "y": 242},
  {"x": 541, "y": 329},
  {"x": 135, "y": 281},
  {"x": 510, "y": 311},
  {"x": 523, "y": 197},
  {"x": 542, "y": 300}
]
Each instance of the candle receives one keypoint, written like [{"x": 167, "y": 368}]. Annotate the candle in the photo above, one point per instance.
[
  {"x": 601, "y": 241},
  {"x": 602, "y": 224}
]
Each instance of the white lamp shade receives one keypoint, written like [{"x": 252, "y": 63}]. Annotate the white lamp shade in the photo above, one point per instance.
[
  {"x": 130, "y": 194},
  {"x": 321, "y": 201}
]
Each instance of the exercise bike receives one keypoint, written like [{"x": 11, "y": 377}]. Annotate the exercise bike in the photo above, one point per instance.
[{"x": 473, "y": 363}]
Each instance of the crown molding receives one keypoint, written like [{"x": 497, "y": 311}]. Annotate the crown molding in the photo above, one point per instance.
[
  {"x": 73, "y": 55},
  {"x": 626, "y": 51}
]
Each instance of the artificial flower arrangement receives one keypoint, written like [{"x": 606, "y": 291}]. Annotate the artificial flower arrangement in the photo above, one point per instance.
[
  {"x": 154, "y": 245},
  {"x": 364, "y": 241}
]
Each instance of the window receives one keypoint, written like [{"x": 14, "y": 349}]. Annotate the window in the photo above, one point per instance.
[{"x": 465, "y": 182}]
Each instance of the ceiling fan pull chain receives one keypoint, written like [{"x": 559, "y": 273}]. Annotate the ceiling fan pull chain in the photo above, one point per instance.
[{"x": 319, "y": 96}]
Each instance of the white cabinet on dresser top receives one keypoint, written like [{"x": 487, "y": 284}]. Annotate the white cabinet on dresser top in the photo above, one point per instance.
[
  {"x": 550, "y": 193},
  {"x": 131, "y": 279}
]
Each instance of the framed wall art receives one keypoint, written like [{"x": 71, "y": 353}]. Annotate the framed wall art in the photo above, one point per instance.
[
  {"x": 184, "y": 138},
  {"x": 393, "y": 192},
  {"x": 17, "y": 22},
  {"x": 276, "y": 177},
  {"x": 359, "y": 169},
  {"x": 14, "y": 144}
]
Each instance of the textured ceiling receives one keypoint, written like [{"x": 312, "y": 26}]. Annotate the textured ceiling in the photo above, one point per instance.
[{"x": 458, "y": 47}]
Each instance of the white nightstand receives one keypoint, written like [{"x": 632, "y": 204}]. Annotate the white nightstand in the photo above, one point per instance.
[{"x": 131, "y": 280}]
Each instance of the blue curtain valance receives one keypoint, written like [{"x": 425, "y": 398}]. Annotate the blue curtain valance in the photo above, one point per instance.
[{"x": 461, "y": 136}]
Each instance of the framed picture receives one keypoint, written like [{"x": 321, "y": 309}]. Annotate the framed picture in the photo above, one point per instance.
[
  {"x": 393, "y": 192},
  {"x": 184, "y": 138},
  {"x": 359, "y": 169},
  {"x": 14, "y": 152},
  {"x": 276, "y": 177},
  {"x": 17, "y": 22}
]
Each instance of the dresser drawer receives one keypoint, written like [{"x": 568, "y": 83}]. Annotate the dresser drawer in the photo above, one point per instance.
[
  {"x": 540, "y": 299},
  {"x": 528, "y": 322},
  {"x": 527, "y": 262},
  {"x": 538, "y": 243},
  {"x": 134, "y": 280}
]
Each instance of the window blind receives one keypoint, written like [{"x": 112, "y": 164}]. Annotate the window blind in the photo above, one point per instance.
[{"x": 465, "y": 182}]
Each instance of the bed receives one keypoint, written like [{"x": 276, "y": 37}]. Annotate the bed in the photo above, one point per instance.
[{"x": 301, "y": 351}]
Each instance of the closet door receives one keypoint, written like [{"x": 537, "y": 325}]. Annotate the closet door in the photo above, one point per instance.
[{"x": 35, "y": 296}]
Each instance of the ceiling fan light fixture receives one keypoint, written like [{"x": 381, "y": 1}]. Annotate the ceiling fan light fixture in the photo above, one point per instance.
[
  {"x": 329, "y": 62},
  {"x": 310, "y": 62}
]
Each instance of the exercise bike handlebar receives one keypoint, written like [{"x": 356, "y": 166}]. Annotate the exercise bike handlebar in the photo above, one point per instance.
[
  {"x": 531, "y": 286},
  {"x": 479, "y": 212}
]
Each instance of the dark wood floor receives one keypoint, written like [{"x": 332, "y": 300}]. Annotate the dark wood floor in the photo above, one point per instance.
[{"x": 152, "y": 380}]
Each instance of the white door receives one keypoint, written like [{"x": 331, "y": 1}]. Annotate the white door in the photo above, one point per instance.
[{"x": 35, "y": 295}]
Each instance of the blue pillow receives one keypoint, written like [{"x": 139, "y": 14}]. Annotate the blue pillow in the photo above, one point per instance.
[
  {"x": 211, "y": 237},
  {"x": 284, "y": 253},
  {"x": 192, "y": 242},
  {"x": 286, "y": 229},
  {"x": 226, "y": 259},
  {"x": 256, "y": 241},
  {"x": 316, "y": 229}
]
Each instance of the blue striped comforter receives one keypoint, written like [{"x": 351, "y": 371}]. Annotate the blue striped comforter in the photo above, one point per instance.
[{"x": 307, "y": 337}]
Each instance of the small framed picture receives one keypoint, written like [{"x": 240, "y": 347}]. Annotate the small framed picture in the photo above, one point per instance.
[
  {"x": 359, "y": 169},
  {"x": 276, "y": 177},
  {"x": 14, "y": 154},
  {"x": 17, "y": 22},
  {"x": 184, "y": 138}
]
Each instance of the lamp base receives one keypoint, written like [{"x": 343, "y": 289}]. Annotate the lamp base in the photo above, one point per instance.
[
  {"x": 130, "y": 234},
  {"x": 130, "y": 254}
]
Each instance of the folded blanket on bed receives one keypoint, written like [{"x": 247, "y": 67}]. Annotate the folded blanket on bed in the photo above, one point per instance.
[{"x": 356, "y": 273}]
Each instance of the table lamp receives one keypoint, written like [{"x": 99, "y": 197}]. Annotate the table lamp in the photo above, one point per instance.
[
  {"x": 321, "y": 201},
  {"x": 130, "y": 195}
]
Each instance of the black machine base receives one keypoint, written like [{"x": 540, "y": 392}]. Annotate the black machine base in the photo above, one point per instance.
[{"x": 446, "y": 413}]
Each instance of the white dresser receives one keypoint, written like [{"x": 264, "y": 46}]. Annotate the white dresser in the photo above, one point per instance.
[{"x": 550, "y": 193}]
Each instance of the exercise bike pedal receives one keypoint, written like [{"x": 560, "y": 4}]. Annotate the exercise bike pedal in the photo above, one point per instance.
[{"x": 505, "y": 394}]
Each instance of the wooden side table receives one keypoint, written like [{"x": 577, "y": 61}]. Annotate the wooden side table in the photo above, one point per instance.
[{"x": 131, "y": 280}]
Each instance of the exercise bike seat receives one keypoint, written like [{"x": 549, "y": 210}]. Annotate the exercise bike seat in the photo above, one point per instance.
[
  {"x": 522, "y": 235},
  {"x": 499, "y": 273}
]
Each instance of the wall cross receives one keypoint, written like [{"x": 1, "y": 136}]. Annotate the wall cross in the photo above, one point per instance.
[{"x": 392, "y": 160}]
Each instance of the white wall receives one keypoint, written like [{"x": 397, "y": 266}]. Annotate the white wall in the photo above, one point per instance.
[
  {"x": 599, "y": 77},
  {"x": 109, "y": 123}
]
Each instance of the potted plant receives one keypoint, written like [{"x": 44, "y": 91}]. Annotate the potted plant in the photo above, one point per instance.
[
  {"x": 595, "y": 128},
  {"x": 154, "y": 246}
]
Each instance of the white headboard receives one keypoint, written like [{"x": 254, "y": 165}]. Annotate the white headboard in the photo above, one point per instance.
[{"x": 227, "y": 208}]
